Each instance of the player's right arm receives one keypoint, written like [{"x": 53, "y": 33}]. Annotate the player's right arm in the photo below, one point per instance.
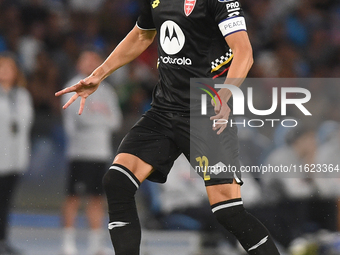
[{"x": 136, "y": 42}]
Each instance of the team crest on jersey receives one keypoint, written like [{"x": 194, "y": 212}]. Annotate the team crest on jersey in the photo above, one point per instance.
[{"x": 189, "y": 6}]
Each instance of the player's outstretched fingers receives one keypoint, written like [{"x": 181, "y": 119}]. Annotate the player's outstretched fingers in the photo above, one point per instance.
[
  {"x": 82, "y": 104},
  {"x": 69, "y": 102},
  {"x": 65, "y": 91}
]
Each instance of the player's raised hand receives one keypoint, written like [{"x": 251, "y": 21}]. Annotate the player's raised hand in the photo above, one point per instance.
[
  {"x": 222, "y": 115},
  {"x": 82, "y": 89}
]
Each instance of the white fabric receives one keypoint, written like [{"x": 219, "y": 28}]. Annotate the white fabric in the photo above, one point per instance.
[
  {"x": 232, "y": 25},
  {"x": 95, "y": 242},
  {"x": 69, "y": 242},
  {"x": 89, "y": 134},
  {"x": 227, "y": 206},
  {"x": 15, "y": 149},
  {"x": 29, "y": 47},
  {"x": 125, "y": 173}
]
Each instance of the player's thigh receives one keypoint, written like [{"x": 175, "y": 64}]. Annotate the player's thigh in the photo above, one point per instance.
[
  {"x": 148, "y": 150},
  {"x": 214, "y": 157},
  {"x": 137, "y": 166},
  {"x": 223, "y": 192}
]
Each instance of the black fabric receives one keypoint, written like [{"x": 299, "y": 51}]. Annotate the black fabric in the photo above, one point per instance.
[
  {"x": 160, "y": 137},
  {"x": 145, "y": 17},
  {"x": 246, "y": 228},
  {"x": 125, "y": 231},
  {"x": 85, "y": 177},
  {"x": 7, "y": 187},
  {"x": 188, "y": 46}
]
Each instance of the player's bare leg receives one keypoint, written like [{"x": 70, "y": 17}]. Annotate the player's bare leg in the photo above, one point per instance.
[
  {"x": 227, "y": 206},
  {"x": 70, "y": 210},
  {"x": 95, "y": 211},
  {"x": 121, "y": 183},
  {"x": 138, "y": 167},
  {"x": 223, "y": 192}
]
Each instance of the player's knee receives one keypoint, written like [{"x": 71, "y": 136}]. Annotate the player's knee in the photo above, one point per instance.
[
  {"x": 119, "y": 184},
  {"x": 108, "y": 181}
]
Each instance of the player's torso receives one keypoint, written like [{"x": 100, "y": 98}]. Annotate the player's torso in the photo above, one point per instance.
[
  {"x": 189, "y": 43},
  {"x": 188, "y": 37}
]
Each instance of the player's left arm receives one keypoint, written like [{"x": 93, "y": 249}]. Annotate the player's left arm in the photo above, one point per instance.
[
  {"x": 242, "y": 61},
  {"x": 239, "y": 68}
]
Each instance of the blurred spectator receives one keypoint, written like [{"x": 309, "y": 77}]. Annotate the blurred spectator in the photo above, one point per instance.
[
  {"x": 42, "y": 84},
  {"x": 288, "y": 196},
  {"x": 30, "y": 46},
  {"x": 327, "y": 132},
  {"x": 329, "y": 186},
  {"x": 89, "y": 152},
  {"x": 16, "y": 114}
]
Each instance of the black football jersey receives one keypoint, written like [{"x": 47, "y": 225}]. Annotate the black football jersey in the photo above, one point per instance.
[{"x": 191, "y": 44}]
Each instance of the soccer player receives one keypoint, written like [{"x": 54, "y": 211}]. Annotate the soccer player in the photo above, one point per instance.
[{"x": 196, "y": 39}]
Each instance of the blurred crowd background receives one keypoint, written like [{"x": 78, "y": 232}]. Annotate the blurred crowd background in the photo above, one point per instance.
[{"x": 290, "y": 39}]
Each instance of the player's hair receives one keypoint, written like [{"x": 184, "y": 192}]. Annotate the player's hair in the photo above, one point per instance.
[{"x": 20, "y": 80}]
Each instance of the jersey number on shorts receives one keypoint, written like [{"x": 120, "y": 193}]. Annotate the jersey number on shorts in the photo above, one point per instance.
[{"x": 204, "y": 163}]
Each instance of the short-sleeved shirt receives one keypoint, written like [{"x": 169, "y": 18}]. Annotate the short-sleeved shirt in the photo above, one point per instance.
[{"x": 191, "y": 44}]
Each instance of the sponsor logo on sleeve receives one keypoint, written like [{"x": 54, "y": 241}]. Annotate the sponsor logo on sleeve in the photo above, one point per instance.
[
  {"x": 233, "y": 14},
  {"x": 233, "y": 8}
]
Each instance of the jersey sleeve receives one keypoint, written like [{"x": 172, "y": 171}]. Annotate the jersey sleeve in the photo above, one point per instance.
[
  {"x": 228, "y": 14},
  {"x": 145, "y": 20}
]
